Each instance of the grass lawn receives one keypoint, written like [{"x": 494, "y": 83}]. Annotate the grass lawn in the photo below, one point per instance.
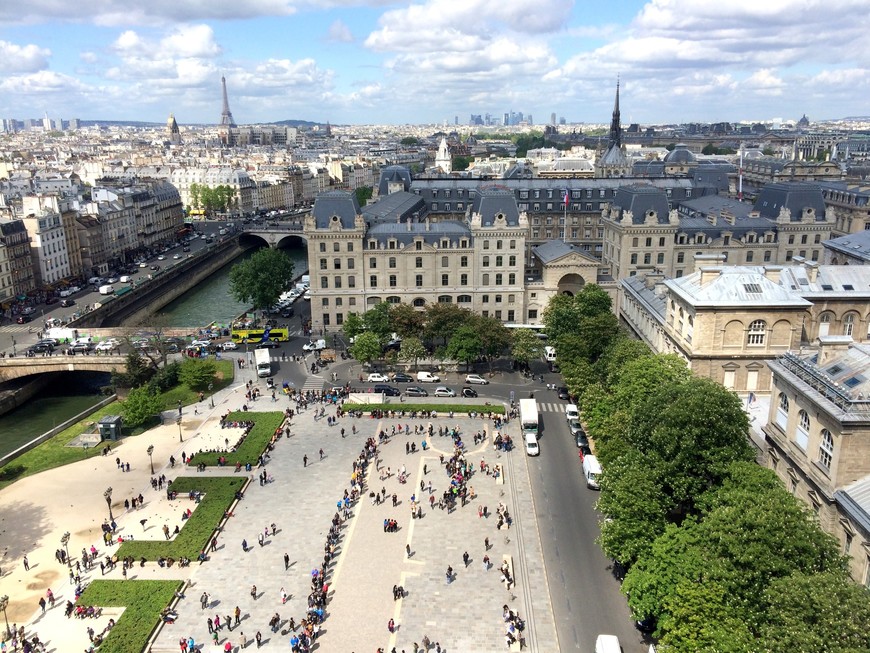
[
  {"x": 265, "y": 425},
  {"x": 441, "y": 409},
  {"x": 54, "y": 452},
  {"x": 194, "y": 536},
  {"x": 142, "y": 599}
]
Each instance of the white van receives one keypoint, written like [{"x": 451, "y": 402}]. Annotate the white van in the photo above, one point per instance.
[
  {"x": 550, "y": 354},
  {"x": 107, "y": 290},
  {"x": 125, "y": 279},
  {"x": 427, "y": 377},
  {"x": 591, "y": 471},
  {"x": 532, "y": 448},
  {"x": 607, "y": 644},
  {"x": 571, "y": 412}
]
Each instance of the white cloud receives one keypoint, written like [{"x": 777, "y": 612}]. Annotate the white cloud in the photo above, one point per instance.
[
  {"x": 40, "y": 83},
  {"x": 16, "y": 58},
  {"x": 339, "y": 32},
  {"x": 88, "y": 57},
  {"x": 195, "y": 41}
]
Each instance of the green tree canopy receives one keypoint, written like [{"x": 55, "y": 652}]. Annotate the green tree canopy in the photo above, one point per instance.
[
  {"x": 262, "y": 278},
  {"x": 140, "y": 405},
  {"x": 363, "y": 194},
  {"x": 442, "y": 320},
  {"x": 353, "y": 325},
  {"x": 412, "y": 349},
  {"x": 465, "y": 345},
  {"x": 525, "y": 346},
  {"x": 494, "y": 336},
  {"x": 366, "y": 347},
  {"x": 197, "y": 373},
  {"x": 406, "y": 321},
  {"x": 377, "y": 320}
]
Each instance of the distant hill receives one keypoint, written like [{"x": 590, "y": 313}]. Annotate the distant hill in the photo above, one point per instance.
[
  {"x": 119, "y": 123},
  {"x": 297, "y": 123}
]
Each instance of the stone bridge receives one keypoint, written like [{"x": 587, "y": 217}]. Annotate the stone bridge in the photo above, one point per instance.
[
  {"x": 19, "y": 366},
  {"x": 274, "y": 234}
]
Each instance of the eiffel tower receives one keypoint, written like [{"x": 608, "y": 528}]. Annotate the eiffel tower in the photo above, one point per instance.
[{"x": 226, "y": 114}]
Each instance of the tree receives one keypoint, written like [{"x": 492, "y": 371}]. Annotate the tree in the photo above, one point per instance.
[
  {"x": 461, "y": 162},
  {"x": 353, "y": 325},
  {"x": 494, "y": 337},
  {"x": 262, "y": 278},
  {"x": 377, "y": 320},
  {"x": 366, "y": 347},
  {"x": 363, "y": 194},
  {"x": 140, "y": 405},
  {"x": 621, "y": 351},
  {"x": 410, "y": 140},
  {"x": 197, "y": 373},
  {"x": 525, "y": 346},
  {"x": 560, "y": 317},
  {"x": 405, "y": 320},
  {"x": 138, "y": 372},
  {"x": 442, "y": 320},
  {"x": 412, "y": 349},
  {"x": 195, "y": 197},
  {"x": 464, "y": 345}
]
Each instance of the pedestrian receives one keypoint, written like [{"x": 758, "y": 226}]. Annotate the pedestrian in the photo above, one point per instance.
[
  {"x": 486, "y": 563},
  {"x": 217, "y": 622},
  {"x": 254, "y": 592},
  {"x": 26, "y": 564},
  {"x": 321, "y": 454},
  {"x": 42, "y": 603},
  {"x": 238, "y": 615},
  {"x": 286, "y": 562},
  {"x": 243, "y": 640},
  {"x": 245, "y": 546},
  {"x": 449, "y": 574},
  {"x": 283, "y": 596},
  {"x": 228, "y": 622},
  {"x": 305, "y": 460},
  {"x": 258, "y": 637},
  {"x": 210, "y": 624},
  {"x": 486, "y": 544},
  {"x": 465, "y": 558},
  {"x": 203, "y": 600},
  {"x": 408, "y": 550},
  {"x": 391, "y": 626}
]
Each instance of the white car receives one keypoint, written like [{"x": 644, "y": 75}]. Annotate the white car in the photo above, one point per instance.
[
  {"x": 229, "y": 345},
  {"x": 200, "y": 343},
  {"x": 143, "y": 264},
  {"x": 161, "y": 258},
  {"x": 176, "y": 256},
  {"x": 376, "y": 377},
  {"x": 571, "y": 412},
  {"x": 307, "y": 296},
  {"x": 475, "y": 378},
  {"x": 105, "y": 345},
  {"x": 444, "y": 391}
]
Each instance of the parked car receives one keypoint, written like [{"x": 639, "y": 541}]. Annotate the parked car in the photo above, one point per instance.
[
  {"x": 105, "y": 345},
  {"x": 23, "y": 319},
  {"x": 39, "y": 348},
  {"x": 415, "y": 391},
  {"x": 229, "y": 345},
  {"x": 81, "y": 347},
  {"x": 377, "y": 377},
  {"x": 401, "y": 377},
  {"x": 51, "y": 300},
  {"x": 571, "y": 412},
  {"x": 161, "y": 258},
  {"x": 469, "y": 392},
  {"x": 427, "y": 377},
  {"x": 200, "y": 343},
  {"x": 388, "y": 390},
  {"x": 444, "y": 391},
  {"x": 578, "y": 433},
  {"x": 66, "y": 303},
  {"x": 475, "y": 378},
  {"x": 268, "y": 344}
]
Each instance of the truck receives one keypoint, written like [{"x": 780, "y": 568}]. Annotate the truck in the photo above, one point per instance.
[
  {"x": 591, "y": 471},
  {"x": 529, "y": 425},
  {"x": 106, "y": 290},
  {"x": 263, "y": 361}
]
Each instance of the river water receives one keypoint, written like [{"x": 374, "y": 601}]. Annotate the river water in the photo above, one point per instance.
[{"x": 211, "y": 301}]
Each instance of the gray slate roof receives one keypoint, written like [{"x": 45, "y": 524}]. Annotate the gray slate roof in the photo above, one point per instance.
[
  {"x": 432, "y": 233},
  {"x": 794, "y": 195},
  {"x": 854, "y": 499},
  {"x": 556, "y": 249},
  {"x": 639, "y": 199},
  {"x": 491, "y": 202},
  {"x": 335, "y": 202},
  {"x": 854, "y": 245},
  {"x": 394, "y": 174},
  {"x": 396, "y": 207}
]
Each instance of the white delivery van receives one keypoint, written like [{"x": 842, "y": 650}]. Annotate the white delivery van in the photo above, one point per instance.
[
  {"x": 107, "y": 290},
  {"x": 607, "y": 644},
  {"x": 125, "y": 279},
  {"x": 571, "y": 412},
  {"x": 263, "y": 361},
  {"x": 550, "y": 354},
  {"x": 427, "y": 377},
  {"x": 532, "y": 448},
  {"x": 591, "y": 471},
  {"x": 306, "y": 279}
]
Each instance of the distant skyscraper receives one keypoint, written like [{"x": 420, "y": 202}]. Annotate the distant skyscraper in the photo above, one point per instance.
[
  {"x": 73, "y": 124},
  {"x": 553, "y": 119},
  {"x": 226, "y": 114},
  {"x": 46, "y": 122}
]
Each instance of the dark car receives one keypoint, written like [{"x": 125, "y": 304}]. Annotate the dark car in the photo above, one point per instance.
[
  {"x": 67, "y": 302},
  {"x": 155, "y": 268},
  {"x": 268, "y": 344},
  {"x": 23, "y": 319},
  {"x": 40, "y": 347},
  {"x": 563, "y": 392},
  {"x": 401, "y": 377},
  {"x": 287, "y": 312},
  {"x": 468, "y": 391},
  {"x": 415, "y": 391},
  {"x": 388, "y": 390},
  {"x": 51, "y": 300}
]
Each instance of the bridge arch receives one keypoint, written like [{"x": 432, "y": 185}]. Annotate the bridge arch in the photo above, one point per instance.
[{"x": 20, "y": 366}]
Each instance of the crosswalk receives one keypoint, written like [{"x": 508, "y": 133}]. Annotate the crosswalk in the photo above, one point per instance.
[
  {"x": 30, "y": 327},
  {"x": 552, "y": 407},
  {"x": 314, "y": 382}
]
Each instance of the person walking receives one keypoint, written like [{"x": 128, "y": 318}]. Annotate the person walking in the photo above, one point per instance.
[
  {"x": 286, "y": 561},
  {"x": 203, "y": 600},
  {"x": 465, "y": 558},
  {"x": 391, "y": 626},
  {"x": 305, "y": 460},
  {"x": 238, "y": 615},
  {"x": 254, "y": 592},
  {"x": 245, "y": 546},
  {"x": 210, "y": 624},
  {"x": 26, "y": 564},
  {"x": 258, "y": 638},
  {"x": 321, "y": 453},
  {"x": 42, "y": 603}
]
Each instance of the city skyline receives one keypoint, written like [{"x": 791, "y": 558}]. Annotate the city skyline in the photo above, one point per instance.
[{"x": 377, "y": 62}]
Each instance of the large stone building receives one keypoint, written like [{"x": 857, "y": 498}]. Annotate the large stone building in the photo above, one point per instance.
[{"x": 818, "y": 439}]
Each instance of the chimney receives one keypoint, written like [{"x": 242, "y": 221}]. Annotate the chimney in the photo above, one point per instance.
[
  {"x": 702, "y": 260},
  {"x": 812, "y": 270},
  {"x": 728, "y": 216},
  {"x": 773, "y": 272},
  {"x": 832, "y": 346},
  {"x": 708, "y": 274},
  {"x": 653, "y": 279}
]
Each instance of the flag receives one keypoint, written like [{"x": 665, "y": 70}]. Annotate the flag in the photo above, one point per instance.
[
  {"x": 567, "y": 196},
  {"x": 751, "y": 398}
]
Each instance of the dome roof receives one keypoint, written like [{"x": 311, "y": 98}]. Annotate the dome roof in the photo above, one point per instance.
[{"x": 680, "y": 154}]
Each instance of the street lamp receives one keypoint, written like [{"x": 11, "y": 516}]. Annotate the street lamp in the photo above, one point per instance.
[
  {"x": 4, "y": 603},
  {"x": 108, "y": 495},
  {"x": 211, "y": 397},
  {"x": 151, "y": 451},
  {"x": 65, "y": 541},
  {"x": 178, "y": 421}
]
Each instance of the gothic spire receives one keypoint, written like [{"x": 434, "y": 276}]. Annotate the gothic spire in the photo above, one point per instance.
[{"x": 615, "y": 129}]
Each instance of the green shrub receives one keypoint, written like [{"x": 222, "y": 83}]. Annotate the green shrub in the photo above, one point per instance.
[
  {"x": 196, "y": 533},
  {"x": 441, "y": 409},
  {"x": 265, "y": 425},
  {"x": 166, "y": 377},
  {"x": 142, "y": 601}
]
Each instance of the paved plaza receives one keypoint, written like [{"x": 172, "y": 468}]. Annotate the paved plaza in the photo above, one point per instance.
[{"x": 464, "y": 616}]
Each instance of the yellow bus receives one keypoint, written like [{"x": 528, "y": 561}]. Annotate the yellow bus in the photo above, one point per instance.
[{"x": 260, "y": 335}]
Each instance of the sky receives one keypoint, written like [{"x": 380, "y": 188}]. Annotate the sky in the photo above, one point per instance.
[{"x": 382, "y": 62}]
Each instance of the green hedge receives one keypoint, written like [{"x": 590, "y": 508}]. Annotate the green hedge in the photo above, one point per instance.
[
  {"x": 142, "y": 601},
  {"x": 197, "y": 531},
  {"x": 264, "y": 428},
  {"x": 442, "y": 409}
]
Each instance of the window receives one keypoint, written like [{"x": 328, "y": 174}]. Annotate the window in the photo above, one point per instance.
[
  {"x": 392, "y": 262},
  {"x": 336, "y": 247},
  {"x": 322, "y": 247},
  {"x": 339, "y": 318},
  {"x": 444, "y": 299},
  {"x": 324, "y": 301},
  {"x": 498, "y": 279},
  {"x": 463, "y": 261},
  {"x": 350, "y": 247},
  {"x": 757, "y": 330},
  {"x": 634, "y": 242},
  {"x": 485, "y": 280},
  {"x": 750, "y": 256},
  {"x": 373, "y": 281},
  {"x": 512, "y": 244},
  {"x": 445, "y": 262},
  {"x": 804, "y": 239},
  {"x": 499, "y": 260},
  {"x": 848, "y": 324},
  {"x": 660, "y": 258},
  {"x": 498, "y": 244},
  {"x": 533, "y": 314},
  {"x": 463, "y": 299},
  {"x": 419, "y": 302},
  {"x": 648, "y": 242},
  {"x": 324, "y": 282},
  {"x": 326, "y": 319},
  {"x": 338, "y": 282},
  {"x": 767, "y": 256},
  {"x": 445, "y": 279},
  {"x": 789, "y": 254},
  {"x": 826, "y": 449},
  {"x": 392, "y": 281},
  {"x": 336, "y": 264},
  {"x": 512, "y": 261},
  {"x": 463, "y": 279},
  {"x": 350, "y": 264},
  {"x": 418, "y": 262},
  {"x": 418, "y": 281},
  {"x": 802, "y": 433},
  {"x": 791, "y": 239},
  {"x": 418, "y": 246},
  {"x": 512, "y": 279},
  {"x": 681, "y": 257},
  {"x": 485, "y": 262},
  {"x": 351, "y": 281},
  {"x": 485, "y": 244},
  {"x": 392, "y": 299},
  {"x": 782, "y": 412},
  {"x": 323, "y": 264},
  {"x": 662, "y": 241},
  {"x": 634, "y": 259},
  {"x": 647, "y": 258}
]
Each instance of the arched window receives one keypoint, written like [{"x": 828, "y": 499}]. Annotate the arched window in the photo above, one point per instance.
[
  {"x": 782, "y": 412},
  {"x": 757, "y": 330},
  {"x": 444, "y": 299},
  {"x": 463, "y": 299},
  {"x": 419, "y": 302},
  {"x": 848, "y": 324},
  {"x": 485, "y": 261},
  {"x": 392, "y": 262},
  {"x": 802, "y": 433},
  {"x": 825, "y": 324},
  {"x": 826, "y": 449},
  {"x": 392, "y": 299}
]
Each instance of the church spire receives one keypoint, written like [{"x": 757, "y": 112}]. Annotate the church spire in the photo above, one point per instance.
[{"x": 615, "y": 129}]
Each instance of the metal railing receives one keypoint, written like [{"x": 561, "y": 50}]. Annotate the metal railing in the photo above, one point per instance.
[{"x": 836, "y": 393}]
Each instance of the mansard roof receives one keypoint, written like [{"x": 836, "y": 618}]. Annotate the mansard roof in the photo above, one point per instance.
[
  {"x": 432, "y": 233},
  {"x": 393, "y": 174},
  {"x": 640, "y": 199},
  {"x": 396, "y": 207},
  {"x": 491, "y": 202},
  {"x": 335, "y": 202},
  {"x": 794, "y": 196},
  {"x": 555, "y": 249}
]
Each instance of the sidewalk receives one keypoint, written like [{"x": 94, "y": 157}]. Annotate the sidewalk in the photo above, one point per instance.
[{"x": 465, "y": 616}]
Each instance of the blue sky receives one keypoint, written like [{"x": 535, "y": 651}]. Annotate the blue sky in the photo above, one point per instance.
[{"x": 380, "y": 62}]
